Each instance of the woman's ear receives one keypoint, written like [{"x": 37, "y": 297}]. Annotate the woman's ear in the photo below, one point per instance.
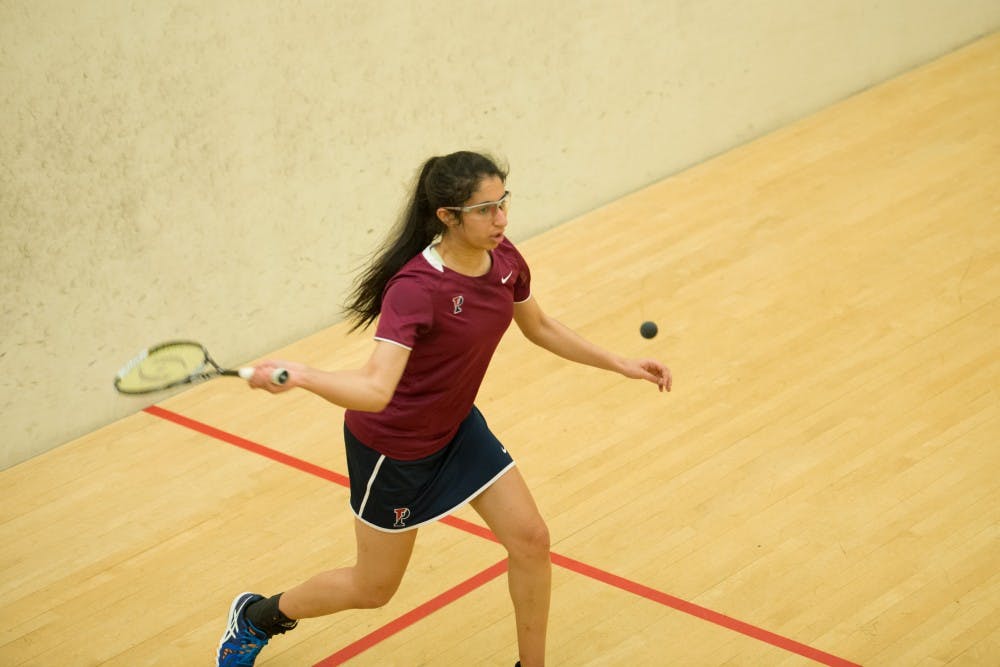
[{"x": 447, "y": 218}]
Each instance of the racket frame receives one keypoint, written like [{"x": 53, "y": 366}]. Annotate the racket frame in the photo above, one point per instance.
[{"x": 208, "y": 369}]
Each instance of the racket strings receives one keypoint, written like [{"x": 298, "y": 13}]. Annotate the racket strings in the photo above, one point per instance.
[{"x": 162, "y": 367}]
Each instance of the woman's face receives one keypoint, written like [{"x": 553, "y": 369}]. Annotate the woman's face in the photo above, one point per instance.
[{"x": 483, "y": 217}]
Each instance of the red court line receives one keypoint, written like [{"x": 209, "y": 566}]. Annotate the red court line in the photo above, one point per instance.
[
  {"x": 470, "y": 527},
  {"x": 701, "y": 612},
  {"x": 417, "y": 614},
  {"x": 462, "y": 589},
  {"x": 250, "y": 446}
]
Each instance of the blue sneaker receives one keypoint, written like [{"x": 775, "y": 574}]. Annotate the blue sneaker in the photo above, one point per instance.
[{"x": 241, "y": 642}]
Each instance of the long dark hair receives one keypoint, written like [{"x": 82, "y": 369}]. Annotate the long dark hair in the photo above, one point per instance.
[{"x": 443, "y": 181}]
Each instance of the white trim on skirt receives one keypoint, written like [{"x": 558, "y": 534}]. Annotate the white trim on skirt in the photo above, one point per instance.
[
  {"x": 371, "y": 480},
  {"x": 472, "y": 497}
]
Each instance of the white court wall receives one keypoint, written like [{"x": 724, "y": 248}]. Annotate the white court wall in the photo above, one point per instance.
[{"x": 219, "y": 169}]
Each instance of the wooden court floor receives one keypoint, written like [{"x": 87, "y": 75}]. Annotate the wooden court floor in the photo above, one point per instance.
[{"x": 819, "y": 488}]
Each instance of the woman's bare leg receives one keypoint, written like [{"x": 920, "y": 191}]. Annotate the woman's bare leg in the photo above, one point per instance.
[
  {"x": 371, "y": 582},
  {"x": 509, "y": 510}
]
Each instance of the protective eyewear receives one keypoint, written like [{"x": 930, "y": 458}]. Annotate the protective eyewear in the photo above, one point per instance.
[{"x": 487, "y": 209}]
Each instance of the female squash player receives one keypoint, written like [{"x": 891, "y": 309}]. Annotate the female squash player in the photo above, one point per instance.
[{"x": 444, "y": 289}]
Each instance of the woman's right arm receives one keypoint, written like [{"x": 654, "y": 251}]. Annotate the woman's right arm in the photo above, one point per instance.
[{"x": 367, "y": 389}]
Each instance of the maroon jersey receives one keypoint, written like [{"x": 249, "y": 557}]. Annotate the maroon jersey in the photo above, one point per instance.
[{"x": 452, "y": 324}]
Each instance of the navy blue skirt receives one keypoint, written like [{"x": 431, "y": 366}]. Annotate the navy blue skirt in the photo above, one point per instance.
[{"x": 394, "y": 495}]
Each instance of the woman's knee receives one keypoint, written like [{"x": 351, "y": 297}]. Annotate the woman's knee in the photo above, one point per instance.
[
  {"x": 532, "y": 541},
  {"x": 373, "y": 596},
  {"x": 372, "y": 590}
]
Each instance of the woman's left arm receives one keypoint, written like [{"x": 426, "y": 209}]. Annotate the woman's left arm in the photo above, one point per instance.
[{"x": 559, "y": 339}]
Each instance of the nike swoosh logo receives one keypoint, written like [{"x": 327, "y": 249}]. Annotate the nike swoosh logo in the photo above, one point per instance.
[{"x": 506, "y": 278}]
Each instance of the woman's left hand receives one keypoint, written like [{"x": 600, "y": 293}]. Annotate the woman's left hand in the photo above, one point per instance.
[{"x": 651, "y": 370}]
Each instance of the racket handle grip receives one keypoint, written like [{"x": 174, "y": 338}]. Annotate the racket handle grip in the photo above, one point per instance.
[{"x": 278, "y": 375}]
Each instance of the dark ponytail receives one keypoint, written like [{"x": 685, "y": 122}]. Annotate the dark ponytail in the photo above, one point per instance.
[{"x": 443, "y": 181}]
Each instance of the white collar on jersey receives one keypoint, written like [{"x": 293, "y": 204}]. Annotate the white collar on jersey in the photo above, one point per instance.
[{"x": 433, "y": 258}]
